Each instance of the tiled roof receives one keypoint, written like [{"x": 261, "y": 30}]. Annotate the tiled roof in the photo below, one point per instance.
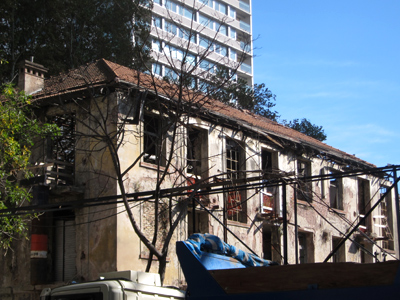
[{"x": 105, "y": 72}]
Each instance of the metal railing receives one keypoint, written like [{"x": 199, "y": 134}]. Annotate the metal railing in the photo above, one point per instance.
[{"x": 54, "y": 173}]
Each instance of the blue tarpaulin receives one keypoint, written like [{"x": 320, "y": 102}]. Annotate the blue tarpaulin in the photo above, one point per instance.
[{"x": 206, "y": 242}]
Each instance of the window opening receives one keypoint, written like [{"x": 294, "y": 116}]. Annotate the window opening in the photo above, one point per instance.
[
  {"x": 304, "y": 187},
  {"x": 302, "y": 249},
  {"x": 364, "y": 204},
  {"x": 385, "y": 220},
  {"x": 340, "y": 254},
  {"x": 194, "y": 150},
  {"x": 268, "y": 194},
  {"x": 236, "y": 210},
  {"x": 306, "y": 247},
  {"x": 153, "y": 140},
  {"x": 335, "y": 192},
  {"x": 61, "y": 151}
]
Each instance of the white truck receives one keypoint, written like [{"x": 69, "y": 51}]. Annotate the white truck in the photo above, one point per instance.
[{"x": 123, "y": 285}]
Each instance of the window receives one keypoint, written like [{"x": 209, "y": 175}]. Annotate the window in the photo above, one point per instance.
[
  {"x": 220, "y": 7},
  {"x": 232, "y": 12},
  {"x": 64, "y": 247},
  {"x": 209, "y": 3},
  {"x": 306, "y": 247},
  {"x": 170, "y": 5},
  {"x": 340, "y": 254},
  {"x": 207, "y": 66},
  {"x": 156, "y": 45},
  {"x": 304, "y": 186},
  {"x": 205, "y": 86},
  {"x": 188, "y": 35},
  {"x": 153, "y": 146},
  {"x": 364, "y": 203},
  {"x": 61, "y": 151},
  {"x": 269, "y": 162},
  {"x": 205, "y": 43},
  {"x": 188, "y": 13},
  {"x": 385, "y": 220},
  {"x": 232, "y": 33},
  {"x": 197, "y": 149},
  {"x": 232, "y": 54},
  {"x": 335, "y": 191},
  {"x": 171, "y": 28},
  {"x": 223, "y": 29},
  {"x": 221, "y": 50},
  {"x": 245, "y": 46},
  {"x": 236, "y": 208},
  {"x": 207, "y": 22},
  {"x": 158, "y": 2},
  {"x": 215, "y": 47},
  {"x": 173, "y": 52},
  {"x": 191, "y": 59},
  {"x": 157, "y": 69},
  {"x": 157, "y": 22},
  {"x": 170, "y": 74}
]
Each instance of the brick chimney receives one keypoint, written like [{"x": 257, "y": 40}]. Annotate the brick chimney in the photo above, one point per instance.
[{"x": 31, "y": 76}]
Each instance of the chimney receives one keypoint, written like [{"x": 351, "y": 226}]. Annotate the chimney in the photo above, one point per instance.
[{"x": 31, "y": 76}]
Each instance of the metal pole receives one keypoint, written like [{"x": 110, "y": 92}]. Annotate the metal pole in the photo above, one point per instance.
[
  {"x": 225, "y": 217},
  {"x": 194, "y": 214},
  {"x": 397, "y": 212},
  {"x": 285, "y": 238},
  {"x": 296, "y": 231}
]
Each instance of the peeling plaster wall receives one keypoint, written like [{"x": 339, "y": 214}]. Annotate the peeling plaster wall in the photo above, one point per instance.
[{"x": 320, "y": 226}]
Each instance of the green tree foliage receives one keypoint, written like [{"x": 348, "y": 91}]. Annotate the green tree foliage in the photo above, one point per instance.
[
  {"x": 257, "y": 99},
  {"x": 18, "y": 130},
  {"x": 305, "y": 126},
  {"x": 66, "y": 34}
]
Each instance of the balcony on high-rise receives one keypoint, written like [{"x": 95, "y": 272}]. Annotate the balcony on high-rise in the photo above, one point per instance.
[
  {"x": 245, "y": 68},
  {"x": 245, "y": 26},
  {"x": 244, "y": 5}
]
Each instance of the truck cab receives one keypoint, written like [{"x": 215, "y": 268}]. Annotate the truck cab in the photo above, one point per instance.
[{"x": 124, "y": 285}]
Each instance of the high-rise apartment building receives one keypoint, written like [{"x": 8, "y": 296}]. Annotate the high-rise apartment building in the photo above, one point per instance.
[{"x": 202, "y": 33}]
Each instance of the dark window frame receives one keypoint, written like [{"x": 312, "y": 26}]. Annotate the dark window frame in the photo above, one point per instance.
[
  {"x": 154, "y": 140},
  {"x": 304, "y": 187},
  {"x": 236, "y": 204}
]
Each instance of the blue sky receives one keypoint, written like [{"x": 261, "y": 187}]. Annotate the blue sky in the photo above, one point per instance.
[{"x": 336, "y": 63}]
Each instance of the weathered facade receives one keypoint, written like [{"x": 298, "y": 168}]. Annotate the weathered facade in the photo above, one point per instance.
[{"x": 227, "y": 172}]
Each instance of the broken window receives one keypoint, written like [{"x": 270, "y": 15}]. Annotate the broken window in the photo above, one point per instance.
[
  {"x": 384, "y": 221},
  {"x": 364, "y": 204},
  {"x": 306, "y": 247},
  {"x": 304, "y": 186},
  {"x": 61, "y": 151},
  {"x": 335, "y": 191},
  {"x": 236, "y": 204},
  {"x": 269, "y": 163},
  {"x": 340, "y": 254},
  {"x": 269, "y": 194},
  {"x": 197, "y": 149},
  {"x": 197, "y": 169},
  {"x": 153, "y": 140}
]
